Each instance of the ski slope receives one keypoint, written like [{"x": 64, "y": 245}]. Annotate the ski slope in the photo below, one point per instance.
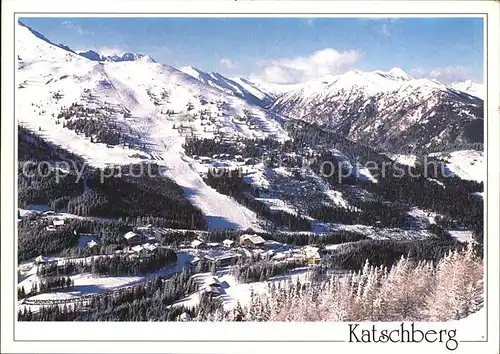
[{"x": 467, "y": 164}]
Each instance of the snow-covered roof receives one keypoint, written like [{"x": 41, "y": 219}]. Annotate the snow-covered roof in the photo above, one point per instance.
[
  {"x": 257, "y": 240},
  {"x": 311, "y": 252},
  {"x": 130, "y": 235},
  {"x": 228, "y": 242},
  {"x": 196, "y": 243},
  {"x": 150, "y": 247}
]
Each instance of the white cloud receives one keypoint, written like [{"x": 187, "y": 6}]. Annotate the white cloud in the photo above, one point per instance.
[
  {"x": 323, "y": 62},
  {"x": 76, "y": 28},
  {"x": 228, "y": 63}
]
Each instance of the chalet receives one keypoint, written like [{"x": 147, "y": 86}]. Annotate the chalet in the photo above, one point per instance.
[
  {"x": 150, "y": 247},
  {"x": 213, "y": 244},
  {"x": 223, "y": 260},
  {"x": 132, "y": 238},
  {"x": 198, "y": 244},
  {"x": 228, "y": 243},
  {"x": 136, "y": 248},
  {"x": 252, "y": 240},
  {"x": 51, "y": 228},
  {"x": 312, "y": 254}
]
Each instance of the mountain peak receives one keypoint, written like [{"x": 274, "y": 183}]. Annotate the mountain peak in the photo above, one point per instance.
[
  {"x": 396, "y": 74},
  {"x": 400, "y": 73},
  {"x": 130, "y": 57}
]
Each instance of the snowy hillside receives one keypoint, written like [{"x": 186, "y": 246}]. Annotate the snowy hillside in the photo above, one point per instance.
[
  {"x": 386, "y": 109},
  {"x": 471, "y": 88},
  {"x": 466, "y": 164},
  {"x": 132, "y": 111}
]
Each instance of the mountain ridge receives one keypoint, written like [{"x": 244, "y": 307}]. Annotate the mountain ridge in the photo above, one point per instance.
[{"x": 379, "y": 109}]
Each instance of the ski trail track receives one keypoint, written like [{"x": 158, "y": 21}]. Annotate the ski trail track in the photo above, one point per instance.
[
  {"x": 220, "y": 210},
  {"x": 165, "y": 148}
]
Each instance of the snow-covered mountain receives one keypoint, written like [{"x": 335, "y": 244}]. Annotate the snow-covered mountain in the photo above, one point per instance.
[
  {"x": 132, "y": 109},
  {"x": 470, "y": 87},
  {"x": 253, "y": 91},
  {"x": 386, "y": 109},
  {"x": 120, "y": 112}
]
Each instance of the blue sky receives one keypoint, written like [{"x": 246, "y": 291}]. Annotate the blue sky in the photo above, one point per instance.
[{"x": 285, "y": 50}]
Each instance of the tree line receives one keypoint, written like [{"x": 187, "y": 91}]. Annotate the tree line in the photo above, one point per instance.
[{"x": 115, "y": 265}]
